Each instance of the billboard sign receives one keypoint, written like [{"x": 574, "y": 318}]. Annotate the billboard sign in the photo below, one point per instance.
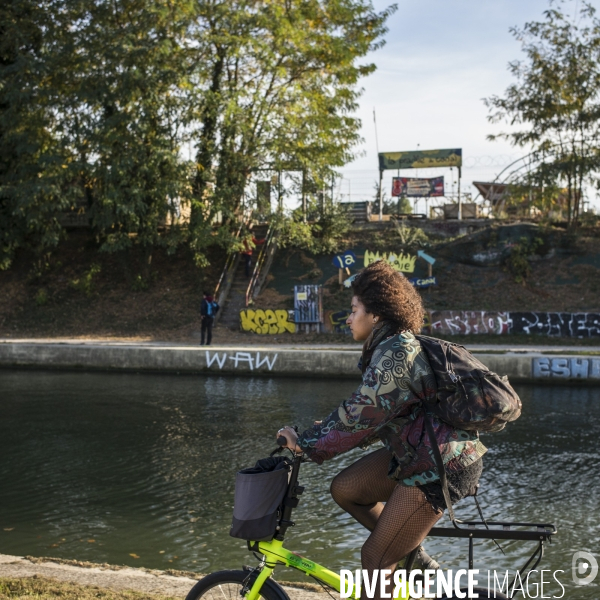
[
  {"x": 420, "y": 159},
  {"x": 413, "y": 187}
]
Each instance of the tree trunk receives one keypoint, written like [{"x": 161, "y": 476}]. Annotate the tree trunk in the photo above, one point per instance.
[{"x": 206, "y": 146}]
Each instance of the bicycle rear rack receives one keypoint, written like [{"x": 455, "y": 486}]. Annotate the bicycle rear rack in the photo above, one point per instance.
[{"x": 499, "y": 530}]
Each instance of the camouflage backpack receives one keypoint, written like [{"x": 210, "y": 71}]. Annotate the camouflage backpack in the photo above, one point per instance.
[{"x": 469, "y": 396}]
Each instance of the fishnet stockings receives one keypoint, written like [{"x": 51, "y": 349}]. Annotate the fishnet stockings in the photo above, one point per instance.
[{"x": 398, "y": 526}]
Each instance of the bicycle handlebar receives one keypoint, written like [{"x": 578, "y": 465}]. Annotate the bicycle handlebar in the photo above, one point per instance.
[{"x": 281, "y": 442}]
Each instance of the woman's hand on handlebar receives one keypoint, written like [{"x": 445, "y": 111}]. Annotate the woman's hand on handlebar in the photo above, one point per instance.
[{"x": 290, "y": 437}]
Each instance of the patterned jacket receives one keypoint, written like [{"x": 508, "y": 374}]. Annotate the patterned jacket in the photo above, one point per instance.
[{"x": 387, "y": 407}]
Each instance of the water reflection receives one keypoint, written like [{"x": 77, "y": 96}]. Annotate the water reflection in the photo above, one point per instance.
[{"x": 107, "y": 467}]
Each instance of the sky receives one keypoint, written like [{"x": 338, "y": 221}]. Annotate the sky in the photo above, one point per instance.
[{"x": 441, "y": 58}]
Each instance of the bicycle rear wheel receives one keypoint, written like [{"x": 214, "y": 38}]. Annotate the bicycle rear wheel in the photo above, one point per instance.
[{"x": 227, "y": 585}]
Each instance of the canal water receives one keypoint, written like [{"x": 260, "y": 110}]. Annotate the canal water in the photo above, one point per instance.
[{"x": 139, "y": 470}]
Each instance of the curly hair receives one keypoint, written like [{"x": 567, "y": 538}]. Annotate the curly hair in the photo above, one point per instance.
[{"x": 388, "y": 294}]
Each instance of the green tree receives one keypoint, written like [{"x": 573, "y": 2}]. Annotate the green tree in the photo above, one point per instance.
[
  {"x": 279, "y": 89},
  {"x": 32, "y": 160},
  {"x": 405, "y": 205},
  {"x": 391, "y": 206},
  {"x": 125, "y": 117},
  {"x": 554, "y": 106}
]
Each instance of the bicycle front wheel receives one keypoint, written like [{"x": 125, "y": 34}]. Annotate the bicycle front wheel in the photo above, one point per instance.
[{"x": 227, "y": 585}]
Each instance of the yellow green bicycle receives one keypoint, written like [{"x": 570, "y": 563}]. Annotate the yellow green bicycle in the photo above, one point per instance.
[{"x": 253, "y": 583}]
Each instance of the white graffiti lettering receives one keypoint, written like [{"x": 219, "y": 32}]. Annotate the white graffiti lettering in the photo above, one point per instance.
[
  {"x": 450, "y": 322},
  {"x": 253, "y": 360},
  {"x": 566, "y": 368},
  {"x": 468, "y": 322},
  {"x": 261, "y": 361},
  {"x": 215, "y": 357},
  {"x": 243, "y": 356}
]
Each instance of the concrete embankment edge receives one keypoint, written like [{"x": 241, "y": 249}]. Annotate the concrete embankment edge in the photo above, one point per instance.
[{"x": 271, "y": 361}]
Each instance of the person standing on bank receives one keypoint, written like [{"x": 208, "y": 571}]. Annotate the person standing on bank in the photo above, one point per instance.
[
  {"x": 208, "y": 310},
  {"x": 386, "y": 313}
]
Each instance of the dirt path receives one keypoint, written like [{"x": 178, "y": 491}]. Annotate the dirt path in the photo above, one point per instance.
[{"x": 116, "y": 578}]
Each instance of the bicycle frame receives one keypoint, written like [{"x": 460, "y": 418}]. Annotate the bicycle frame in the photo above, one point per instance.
[{"x": 274, "y": 553}]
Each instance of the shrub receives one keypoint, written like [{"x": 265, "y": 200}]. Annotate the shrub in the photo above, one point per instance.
[{"x": 85, "y": 283}]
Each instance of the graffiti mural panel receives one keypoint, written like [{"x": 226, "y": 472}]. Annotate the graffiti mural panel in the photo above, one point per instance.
[
  {"x": 557, "y": 324},
  {"x": 459, "y": 322},
  {"x": 267, "y": 321},
  {"x": 566, "y": 368},
  {"x": 338, "y": 321},
  {"x": 401, "y": 262}
]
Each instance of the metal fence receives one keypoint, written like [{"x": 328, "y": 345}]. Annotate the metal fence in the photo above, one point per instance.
[{"x": 307, "y": 304}]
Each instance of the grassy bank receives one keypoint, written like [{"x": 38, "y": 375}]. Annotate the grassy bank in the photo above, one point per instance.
[
  {"x": 42, "y": 588},
  {"x": 81, "y": 293}
]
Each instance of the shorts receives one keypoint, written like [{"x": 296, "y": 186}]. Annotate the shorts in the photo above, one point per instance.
[{"x": 460, "y": 485}]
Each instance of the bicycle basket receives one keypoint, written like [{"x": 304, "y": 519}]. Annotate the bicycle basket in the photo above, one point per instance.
[{"x": 259, "y": 492}]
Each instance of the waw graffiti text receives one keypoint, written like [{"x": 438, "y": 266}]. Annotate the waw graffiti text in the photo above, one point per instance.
[{"x": 251, "y": 360}]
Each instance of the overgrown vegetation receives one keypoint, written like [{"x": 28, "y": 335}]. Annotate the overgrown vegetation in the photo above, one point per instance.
[
  {"x": 85, "y": 283},
  {"x": 102, "y": 103},
  {"x": 518, "y": 260},
  {"x": 323, "y": 232},
  {"x": 410, "y": 237}
]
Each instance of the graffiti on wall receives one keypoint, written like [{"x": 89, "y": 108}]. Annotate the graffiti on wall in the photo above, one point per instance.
[
  {"x": 338, "y": 321},
  {"x": 251, "y": 360},
  {"x": 558, "y": 324},
  {"x": 445, "y": 322},
  {"x": 423, "y": 282},
  {"x": 344, "y": 260},
  {"x": 465, "y": 322},
  {"x": 267, "y": 321},
  {"x": 401, "y": 262},
  {"x": 566, "y": 368}
]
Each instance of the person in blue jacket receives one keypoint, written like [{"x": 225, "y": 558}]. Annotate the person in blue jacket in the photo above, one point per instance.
[{"x": 208, "y": 311}]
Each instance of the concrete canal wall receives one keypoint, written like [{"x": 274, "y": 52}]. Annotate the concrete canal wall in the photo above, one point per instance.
[{"x": 269, "y": 361}]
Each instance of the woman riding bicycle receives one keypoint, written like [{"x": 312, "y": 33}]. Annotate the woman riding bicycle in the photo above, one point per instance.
[{"x": 387, "y": 407}]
